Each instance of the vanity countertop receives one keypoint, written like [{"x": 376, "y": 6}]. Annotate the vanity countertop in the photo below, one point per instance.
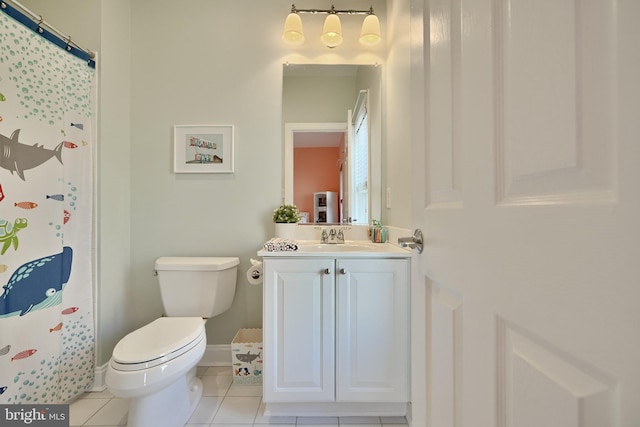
[{"x": 349, "y": 249}]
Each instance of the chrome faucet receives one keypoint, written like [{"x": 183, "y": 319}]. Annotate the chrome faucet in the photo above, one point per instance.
[{"x": 333, "y": 236}]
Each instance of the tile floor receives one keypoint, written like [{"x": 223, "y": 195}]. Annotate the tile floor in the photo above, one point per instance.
[{"x": 223, "y": 405}]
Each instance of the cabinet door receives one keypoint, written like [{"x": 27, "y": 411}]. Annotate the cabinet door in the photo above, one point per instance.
[
  {"x": 372, "y": 362},
  {"x": 299, "y": 323}
]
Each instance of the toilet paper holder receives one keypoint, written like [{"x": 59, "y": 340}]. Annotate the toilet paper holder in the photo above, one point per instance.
[{"x": 254, "y": 274}]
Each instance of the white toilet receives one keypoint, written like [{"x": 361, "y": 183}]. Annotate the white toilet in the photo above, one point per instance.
[{"x": 155, "y": 365}]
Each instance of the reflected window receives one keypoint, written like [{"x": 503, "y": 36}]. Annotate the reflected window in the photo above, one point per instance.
[{"x": 359, "y": 156}]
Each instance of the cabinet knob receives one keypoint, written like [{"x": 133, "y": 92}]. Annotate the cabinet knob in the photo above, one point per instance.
[
  {"x": 343, "y": 271},
  {"x": 327, "y": 271}
]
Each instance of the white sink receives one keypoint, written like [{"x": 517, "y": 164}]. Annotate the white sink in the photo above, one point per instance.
[
  {"x": 340, "y": 247},
  {"x": 350, "y": 249}
]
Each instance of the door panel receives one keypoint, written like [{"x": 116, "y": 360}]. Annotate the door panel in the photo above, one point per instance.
[
  {"x": 446, "y": 364},
  {"x": 525, "y": 154},
  {"x": 563, "y": 60},
  {"x": 299, "y": 307},
  {"x": 542, "y": 385},
  {"x": 443, "y": 178},
  {"x": 373, "y": 331}
]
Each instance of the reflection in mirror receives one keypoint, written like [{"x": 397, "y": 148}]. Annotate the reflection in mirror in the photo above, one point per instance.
[
  {"x": 323, "y": 111},
  {"x": 319, "y": 153}
]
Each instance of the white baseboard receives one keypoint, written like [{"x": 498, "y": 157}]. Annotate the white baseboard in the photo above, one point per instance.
[
  {"x": 214, "y": 355},
  {"x": 335, "y": 409},
  {"x": 98, "y": 380}
]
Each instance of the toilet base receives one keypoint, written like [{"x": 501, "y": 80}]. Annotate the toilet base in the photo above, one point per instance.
[{"x": 172, "y": 406}]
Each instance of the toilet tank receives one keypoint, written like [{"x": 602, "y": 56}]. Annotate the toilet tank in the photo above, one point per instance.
[{"x": 197, "y": 286}]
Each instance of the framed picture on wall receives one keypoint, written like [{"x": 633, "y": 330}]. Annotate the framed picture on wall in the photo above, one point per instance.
[{"x": 203, "y": 149}]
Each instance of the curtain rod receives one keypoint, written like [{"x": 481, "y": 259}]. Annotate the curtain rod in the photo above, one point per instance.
[{"x": 38, "y": 19}]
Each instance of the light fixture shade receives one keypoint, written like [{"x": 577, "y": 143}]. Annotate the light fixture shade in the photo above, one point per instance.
[
  {"x": 292, "y": 33},
  {"x": 370, "y": 33},
  {"x": 332, "y": 31}
]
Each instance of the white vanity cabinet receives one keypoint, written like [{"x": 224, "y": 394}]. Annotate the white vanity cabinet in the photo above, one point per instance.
[{"x": 336, "y": 331}]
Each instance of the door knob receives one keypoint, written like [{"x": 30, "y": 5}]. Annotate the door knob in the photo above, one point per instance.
[
  {"x": 414, "y": 242},
  {"x": 343, "y": 271}
]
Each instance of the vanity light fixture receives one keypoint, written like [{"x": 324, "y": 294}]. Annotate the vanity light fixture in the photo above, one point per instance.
[{"x": 293, "y": 33}]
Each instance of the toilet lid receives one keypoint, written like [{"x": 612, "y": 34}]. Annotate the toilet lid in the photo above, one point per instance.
[{"x": 161, "y": 340}]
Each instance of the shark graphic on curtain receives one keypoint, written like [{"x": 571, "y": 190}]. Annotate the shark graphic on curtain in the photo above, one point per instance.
[{"x": 46, "y": 200}]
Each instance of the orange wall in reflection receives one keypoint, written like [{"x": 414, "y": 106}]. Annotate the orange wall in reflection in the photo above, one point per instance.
[{"x": 314, "y": 169}]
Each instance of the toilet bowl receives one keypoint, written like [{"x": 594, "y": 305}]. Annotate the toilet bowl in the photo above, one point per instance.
[{"x": 154, "y": 366}]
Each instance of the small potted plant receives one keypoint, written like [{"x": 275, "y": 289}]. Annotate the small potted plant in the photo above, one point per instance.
[{"x": 286, "y": 218}]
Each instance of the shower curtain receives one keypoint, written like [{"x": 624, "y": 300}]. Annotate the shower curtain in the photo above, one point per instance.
[{"x": 46, "y": 202}]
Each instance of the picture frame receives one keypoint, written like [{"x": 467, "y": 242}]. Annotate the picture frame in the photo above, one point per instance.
[{"x": 203, "y": 149}]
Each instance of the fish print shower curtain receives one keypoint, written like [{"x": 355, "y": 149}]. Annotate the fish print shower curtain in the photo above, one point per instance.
[{"x": 46, "y": 193}]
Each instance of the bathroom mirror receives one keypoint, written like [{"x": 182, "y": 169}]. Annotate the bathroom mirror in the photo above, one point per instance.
[{"x": 320, "y": 107}]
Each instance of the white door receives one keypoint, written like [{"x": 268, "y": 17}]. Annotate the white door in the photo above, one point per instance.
[
  {"x": 372, "y": 330},
  {"x": 526, "y": 148}
]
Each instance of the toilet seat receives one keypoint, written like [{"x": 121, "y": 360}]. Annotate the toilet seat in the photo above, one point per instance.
[{"x": 158, "y": 342}]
